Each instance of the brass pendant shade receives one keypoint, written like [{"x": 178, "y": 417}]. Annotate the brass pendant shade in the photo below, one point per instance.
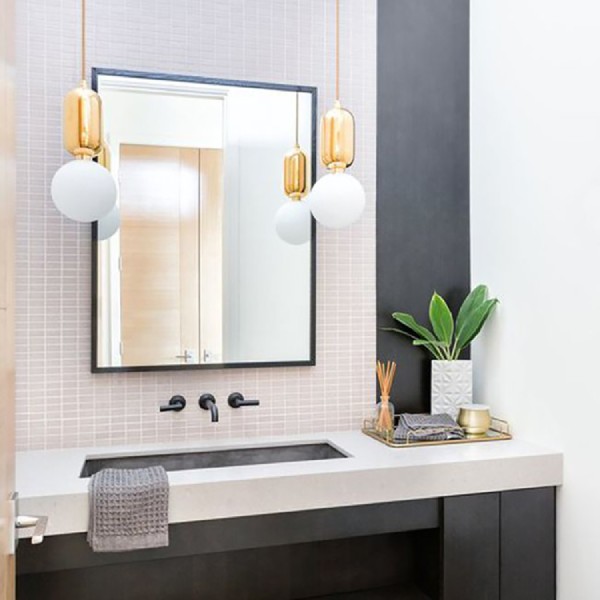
[
  {"x": 294, "y": 173},
  {"x": 82, "y": 128},
  {"x": 337, "y": 199},
  {"x": 82, "y": 132},
  {"x": 292, "y": 220},
  {"x": 83, "y": 190},
  {"x": 294, "y": 165},
  {"x": 337, "y": 138},
  {"x": 337, "y": 124}
]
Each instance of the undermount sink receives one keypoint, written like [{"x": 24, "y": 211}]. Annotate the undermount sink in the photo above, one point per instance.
[{"x": 213, "y": 459}]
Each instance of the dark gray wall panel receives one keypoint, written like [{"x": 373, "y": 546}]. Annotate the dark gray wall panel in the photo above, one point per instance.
[
  {"x": 422, "y": 172},
  {"x": 528, "y": 544}
]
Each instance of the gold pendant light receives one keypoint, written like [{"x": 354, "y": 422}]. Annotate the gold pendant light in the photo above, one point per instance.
[
  {"x": 294, "y": 165},
  {"x": 83, "y": 190},
  {"x": 292, "y": 221},
  {"x": 337, "y": 138},
  {"x": 337, "y": 199},
  {"x": 337, "y": 124},
  {"x": 82, "y": 126},
  {"x": 294, "y": 174}
]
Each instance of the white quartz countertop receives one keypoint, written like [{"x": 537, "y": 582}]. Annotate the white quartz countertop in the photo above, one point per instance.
[{"x": 48, "y": 481}]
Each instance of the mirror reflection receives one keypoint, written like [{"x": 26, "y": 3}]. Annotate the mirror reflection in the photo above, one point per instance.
[{"x": 189, "y": 271}]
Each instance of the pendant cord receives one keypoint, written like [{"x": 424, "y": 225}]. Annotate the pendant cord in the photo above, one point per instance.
[
  {"x": 297, "y": 118},
  {"x": 337, "y": 49},
  {"x": 83, "y": 40}
]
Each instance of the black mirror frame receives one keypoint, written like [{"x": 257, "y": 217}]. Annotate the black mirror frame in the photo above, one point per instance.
[{"x": 311, "y": 361}]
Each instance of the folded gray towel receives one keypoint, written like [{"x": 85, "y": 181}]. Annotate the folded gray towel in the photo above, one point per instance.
[
  {"x": 129, "y": 509},
  {"x": 427, "y": 428}
]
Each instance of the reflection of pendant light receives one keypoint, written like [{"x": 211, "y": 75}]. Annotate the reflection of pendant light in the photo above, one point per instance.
[
  {"x": 292, "y": 221},
  {"x": 337, "y": 199},
  {"x": 82, "y": 189}
]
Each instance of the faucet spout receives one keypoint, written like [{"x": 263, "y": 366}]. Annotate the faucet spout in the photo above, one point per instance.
[{"x": 209, "y": 402}]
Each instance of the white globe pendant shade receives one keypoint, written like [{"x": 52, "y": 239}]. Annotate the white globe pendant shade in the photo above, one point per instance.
[
  {"x": 83, "y": 190},
  {"x": 109, "y": 225},
  {"x": 293, "y": 222},
  {"x": 337, "y": 200}
]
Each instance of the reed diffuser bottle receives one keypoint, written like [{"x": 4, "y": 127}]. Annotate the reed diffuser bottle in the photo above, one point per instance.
[{"x": 384, "y": 416}]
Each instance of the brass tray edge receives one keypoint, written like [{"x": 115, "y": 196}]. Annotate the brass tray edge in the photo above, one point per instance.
[{"x": 502, "y": 436}]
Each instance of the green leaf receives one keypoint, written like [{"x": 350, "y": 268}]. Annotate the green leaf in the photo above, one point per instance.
[
  {"x": 475, "y": 299},
  {"x": 426, "y": 343},
  {"x": 404, "y": 318},
  {"x": 441, "y": 319},
  {"x": 473, "y": 324},
  {"x": 409, "y": 321},
  {"x": 394, "y": 329},
  {"x": 429, "y": 345},
  {"x": 438, "y": 349},
  {"x": 436, "y": 353}
]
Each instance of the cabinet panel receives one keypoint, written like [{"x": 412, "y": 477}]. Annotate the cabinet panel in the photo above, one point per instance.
[
  {"x": 471, "y": 552},
  {"x": 528, "y": 544}
]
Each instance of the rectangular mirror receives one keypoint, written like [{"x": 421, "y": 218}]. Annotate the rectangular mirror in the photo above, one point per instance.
[{"x": 191, "y": 274}]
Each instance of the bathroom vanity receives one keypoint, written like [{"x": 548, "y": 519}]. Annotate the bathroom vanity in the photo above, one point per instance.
[{"x": 360, "y": 521}]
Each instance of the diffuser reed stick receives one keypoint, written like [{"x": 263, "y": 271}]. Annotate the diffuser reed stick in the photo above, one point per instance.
[{"x": 385, "y": 376}]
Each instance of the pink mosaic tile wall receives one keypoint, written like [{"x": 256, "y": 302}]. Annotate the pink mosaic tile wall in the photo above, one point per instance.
[{"x": 59, "y": 402}]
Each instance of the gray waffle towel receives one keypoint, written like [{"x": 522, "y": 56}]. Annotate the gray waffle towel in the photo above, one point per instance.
[
  {"x": 427, "y": 428},
  {"x": 129, "y": 509}
]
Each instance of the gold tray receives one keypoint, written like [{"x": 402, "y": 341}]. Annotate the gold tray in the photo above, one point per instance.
[{"x": 499, "y": 431}]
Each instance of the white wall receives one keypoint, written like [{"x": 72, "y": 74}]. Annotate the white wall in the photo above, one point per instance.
[{"x": 535, "y": 210}]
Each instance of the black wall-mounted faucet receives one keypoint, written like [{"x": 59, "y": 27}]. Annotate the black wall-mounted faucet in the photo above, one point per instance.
[
  {"x": 235, "y": 400},
  {"x": 209, "y": 402},
  {"x": 176, "y": 403}
]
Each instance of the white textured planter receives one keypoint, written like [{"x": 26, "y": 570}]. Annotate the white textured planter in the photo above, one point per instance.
[{"x": 451, "y": 385}]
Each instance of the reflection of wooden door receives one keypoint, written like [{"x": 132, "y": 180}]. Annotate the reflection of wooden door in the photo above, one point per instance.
[
  {"x": 159, "y": 196},
  {"x": 211, "y": 255},
  {"x": 7, "y": 364}
]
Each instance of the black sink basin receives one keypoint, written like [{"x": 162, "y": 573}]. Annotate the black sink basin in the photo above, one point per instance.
[{"x": 212, "y": 459}]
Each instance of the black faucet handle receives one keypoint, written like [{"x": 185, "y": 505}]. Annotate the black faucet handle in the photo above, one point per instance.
[
  {"x": 176, "y": 403},
  {"x": 236, "y": 400}
]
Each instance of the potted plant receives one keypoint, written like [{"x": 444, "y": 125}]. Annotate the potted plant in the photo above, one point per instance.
[{"x": 451, "y": 377}]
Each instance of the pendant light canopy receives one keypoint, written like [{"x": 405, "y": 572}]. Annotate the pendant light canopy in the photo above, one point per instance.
[
  {"x": 337, "y": 199},
  {"x": 293, "y": 219},
  {"x": 82, "y": 189}
]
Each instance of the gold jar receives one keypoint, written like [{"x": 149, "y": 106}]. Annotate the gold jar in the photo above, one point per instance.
[{"x": 475, "y": 419}]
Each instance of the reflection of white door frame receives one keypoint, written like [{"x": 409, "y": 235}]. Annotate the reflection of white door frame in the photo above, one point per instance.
[
  {"x": 231, "y": 237},
  {"x": 118, "y": 83},
  {"x": 110, "y": 320}
]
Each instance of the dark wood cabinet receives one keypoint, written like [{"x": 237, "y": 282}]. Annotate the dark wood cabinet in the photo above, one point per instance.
[{"x": 496, "y": 546}]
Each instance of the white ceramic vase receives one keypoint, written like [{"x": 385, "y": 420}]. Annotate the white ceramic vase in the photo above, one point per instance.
[{"x": 451, "y": 386}]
